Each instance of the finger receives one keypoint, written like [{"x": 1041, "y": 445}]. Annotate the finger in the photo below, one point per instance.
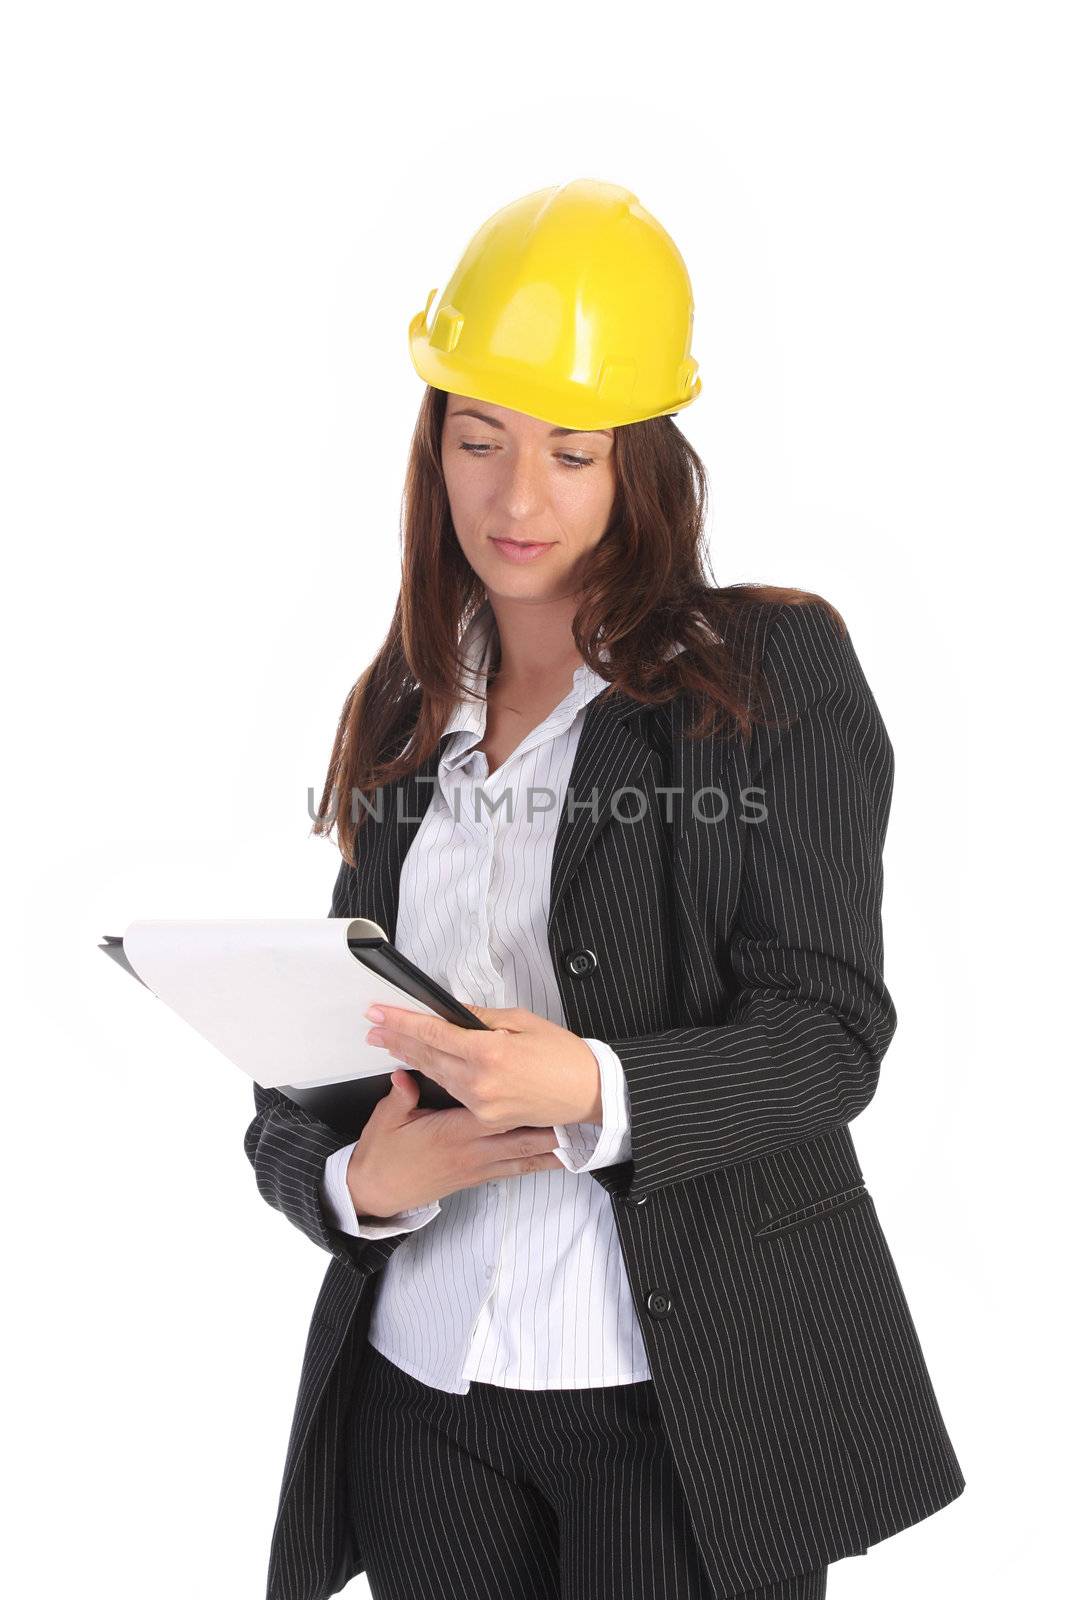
[
  {"x": 451, "y": 1072},
  {"x": 516, "y": 1142},
  {"x": 516, "y": 1168},
  {"x": 431, "y": 1031}
]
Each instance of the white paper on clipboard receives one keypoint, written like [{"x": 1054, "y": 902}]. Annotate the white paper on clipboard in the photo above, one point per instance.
[{"x": 282, "y": 998}]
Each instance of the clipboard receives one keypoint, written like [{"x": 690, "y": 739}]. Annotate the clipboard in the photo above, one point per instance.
[{"x": 280, "y": 995}]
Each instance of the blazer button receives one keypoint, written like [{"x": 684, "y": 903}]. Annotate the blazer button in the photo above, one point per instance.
[
  {"x": 658, "y": 1302},
  {"x": 638, "y": 1199},
  {"x": 580, "y": 963}
]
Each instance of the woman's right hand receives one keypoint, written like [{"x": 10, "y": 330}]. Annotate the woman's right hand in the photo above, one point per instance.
[{"x": 410, "y": 1156}]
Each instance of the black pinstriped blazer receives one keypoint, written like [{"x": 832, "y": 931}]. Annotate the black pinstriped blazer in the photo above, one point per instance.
[{"x": 738, "y": 975}]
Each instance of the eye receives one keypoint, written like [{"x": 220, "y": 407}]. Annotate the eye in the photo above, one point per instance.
[{"x": 572, "y": 462}]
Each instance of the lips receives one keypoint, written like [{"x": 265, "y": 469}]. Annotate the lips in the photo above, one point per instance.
[{"x": 521, "y": 550}]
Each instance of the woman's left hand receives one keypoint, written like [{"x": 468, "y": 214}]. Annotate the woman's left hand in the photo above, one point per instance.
[{"x": 525, "y": 1072}]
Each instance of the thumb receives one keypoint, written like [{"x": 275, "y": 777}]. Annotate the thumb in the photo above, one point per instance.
[
  {"x": 484, "y": 1013},
  {"x": 508, "y": 1019},
  {"x": 403, "y": 1094}
]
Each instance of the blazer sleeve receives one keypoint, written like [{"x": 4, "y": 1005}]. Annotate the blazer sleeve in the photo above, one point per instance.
[
  {"x": 288, "y": 1148},
  {"x": 800, "y": 1044}
]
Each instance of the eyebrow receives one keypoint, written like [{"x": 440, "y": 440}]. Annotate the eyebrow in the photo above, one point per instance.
[{"x": 555, "y": 433}]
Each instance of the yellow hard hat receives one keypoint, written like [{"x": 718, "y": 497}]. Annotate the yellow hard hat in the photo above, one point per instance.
[{"x": 573, "y": 305}]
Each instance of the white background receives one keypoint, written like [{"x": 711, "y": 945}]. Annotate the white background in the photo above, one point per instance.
[{"x": 218, "y": 222}]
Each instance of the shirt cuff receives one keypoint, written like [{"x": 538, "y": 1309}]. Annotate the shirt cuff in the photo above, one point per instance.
[
  {"x": 341, "y": 1213},
  {"x": 584, "y": 1146}
]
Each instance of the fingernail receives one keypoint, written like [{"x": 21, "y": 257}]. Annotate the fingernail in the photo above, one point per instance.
[{"x": 374, "y": 1014}]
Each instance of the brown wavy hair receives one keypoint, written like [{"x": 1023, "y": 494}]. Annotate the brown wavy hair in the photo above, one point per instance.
[{"x": 643, "y": 586}]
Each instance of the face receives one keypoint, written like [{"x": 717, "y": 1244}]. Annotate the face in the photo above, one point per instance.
[{"x": 514, "y": 481}]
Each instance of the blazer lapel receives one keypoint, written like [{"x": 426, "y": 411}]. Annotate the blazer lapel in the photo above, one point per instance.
[{"x": 610, "y": 756}]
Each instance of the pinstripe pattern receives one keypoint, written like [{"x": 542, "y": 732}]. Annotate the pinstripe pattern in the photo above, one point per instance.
[
  {"x": 520, "y": 1495},
  {"x": 787, "y": 1368},
  {"x": 520, "y": 1282}
]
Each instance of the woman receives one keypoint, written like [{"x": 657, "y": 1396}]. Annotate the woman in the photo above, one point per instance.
[{"x": 625, "y": 1323}]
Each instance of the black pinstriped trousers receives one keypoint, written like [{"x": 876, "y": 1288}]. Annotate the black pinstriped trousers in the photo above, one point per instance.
[{"x": 523, "y": 1494}]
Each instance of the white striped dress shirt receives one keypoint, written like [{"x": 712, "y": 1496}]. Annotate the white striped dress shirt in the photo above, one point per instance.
[{"x": 516, "y": 1281}]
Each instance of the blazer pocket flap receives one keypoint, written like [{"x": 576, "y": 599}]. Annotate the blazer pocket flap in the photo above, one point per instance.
[
  {"x": 812, "y": 1213},
  {"x": 805, "y": 1181}
]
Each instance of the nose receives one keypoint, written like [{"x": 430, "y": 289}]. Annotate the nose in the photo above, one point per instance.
[{"x": 523, "y": 488}]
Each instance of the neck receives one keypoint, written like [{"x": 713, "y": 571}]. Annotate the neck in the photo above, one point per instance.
[{"x": 535, "y": 640}]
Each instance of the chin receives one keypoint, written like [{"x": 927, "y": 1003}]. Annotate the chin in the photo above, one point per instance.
[
  {"x": 520, "y": 591},
  {"x": 518, "y": 584}
]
